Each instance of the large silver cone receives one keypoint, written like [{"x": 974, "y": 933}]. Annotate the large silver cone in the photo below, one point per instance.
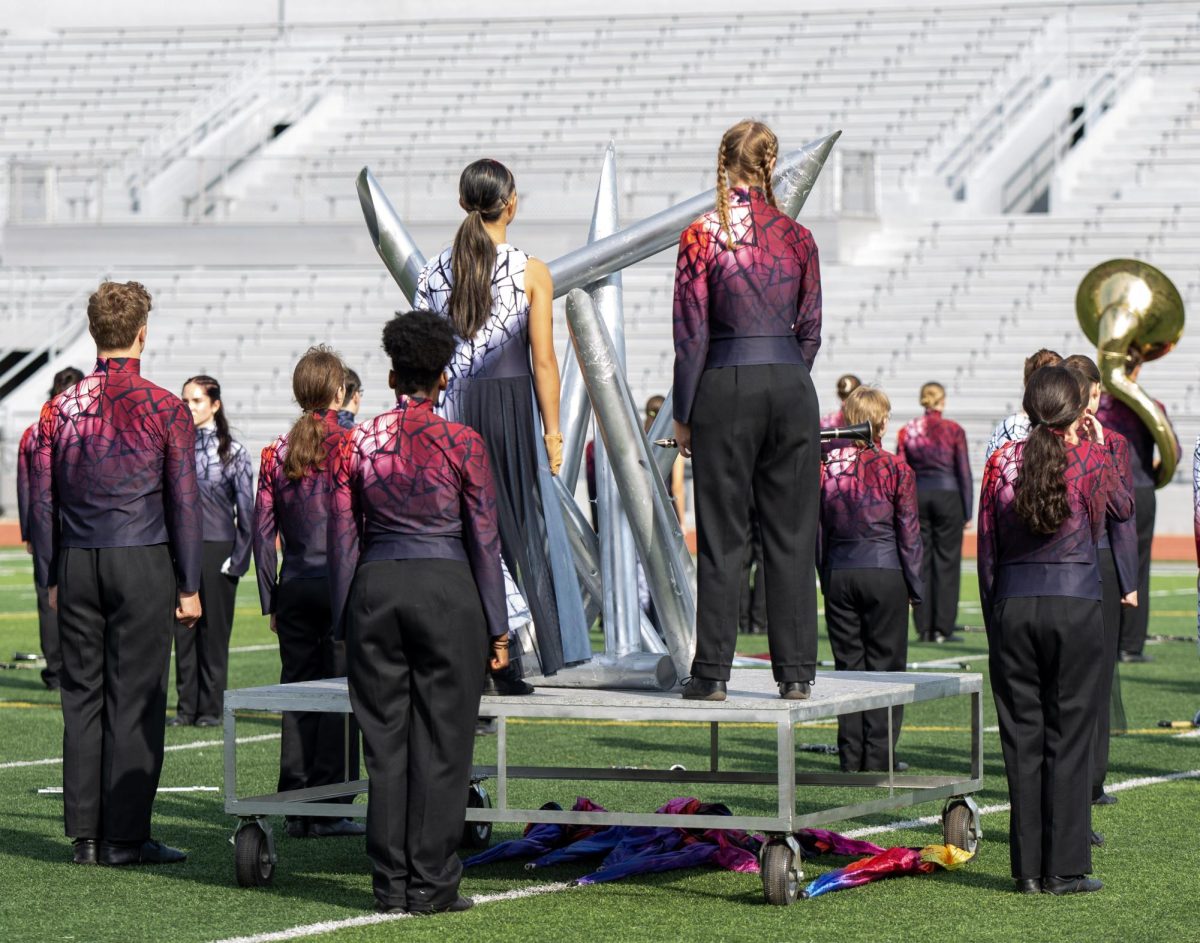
[
  {"x": 574, "y": 415},
  {"x": 655, "y": 528},
  {"x": 392, "y": 241},
  {"x": 795, "y": 174},
  {"x": 618, "y": 553}
]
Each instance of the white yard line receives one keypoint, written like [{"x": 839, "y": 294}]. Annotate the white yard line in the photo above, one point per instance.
[
  {"x": 1004, "y": 807},
  {"x": 332, "y": 926},
  {"x": 273, "y": 647},
  {"x": 197, "y": 745}
]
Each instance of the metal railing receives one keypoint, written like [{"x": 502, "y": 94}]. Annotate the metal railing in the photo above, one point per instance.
[{"x": 1028, "y": 182}]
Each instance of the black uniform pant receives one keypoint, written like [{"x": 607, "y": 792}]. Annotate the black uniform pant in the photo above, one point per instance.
[
  {"x": 314, "y": 747},
  {"x": 942, "y": 520},
  {"x": 116, "y": 607},
  {"x": 416, "y": 648},
  {"x": 866, "y": 615},
  {"x": 1136, "y": 621},
  {"x": 202, "y": 653},
  {"x": 754, "y": 432},
  {"x": 1045, "y": 659},
  {"x": 1111, "y": 612},
  {"x": 48, "y": 635},
  {"x": 752, "y": 610}
]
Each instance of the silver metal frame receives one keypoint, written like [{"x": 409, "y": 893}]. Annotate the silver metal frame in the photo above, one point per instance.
[{"x": 753, "y": 700}]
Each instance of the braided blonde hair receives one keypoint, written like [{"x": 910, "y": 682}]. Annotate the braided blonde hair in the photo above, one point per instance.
[{"x": 746, "y": 152}]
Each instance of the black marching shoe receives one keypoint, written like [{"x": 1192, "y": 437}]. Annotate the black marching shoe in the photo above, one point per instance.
[
  {"x": 148, "y": 852},
  {"x": 1105, "y": 798},
  {"x": 338, "y": 828},
  {"x": 85, "y": 851},
  {"x": 1096, "y": 839},
  {"x": 296, "y": 828},
  {"x": 702, "y": 689},
  {"x": 458, "y": 906},
  {"x": 795, "y": 690},
  {"x": 382, "y": 908},
  {"x": 207, "y": 722},
  {"x": 1029, "y": 885},
  {"x": 1134, "y": 658},
  {"x": 1075, "y": 884},
  {"x": 180, "y": 721},
  {"x": 507, "y": 682}
]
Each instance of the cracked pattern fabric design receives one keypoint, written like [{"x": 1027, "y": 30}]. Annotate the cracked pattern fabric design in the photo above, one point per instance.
[
  {"x": 115, "y": 467},
  {"x": 1114, "y": 414},
  {"x": 758, "y": 301},
  {"x": 869, "y": 515},
  {"x": 1060, "y": 564},
  {"x": 501, "y": 346},
  {"x": 936, "y": 450},
  {"x": 25, "y": 452},
  {"x": 295, "y": 512},
  {"x": 412, "y": 485},
  {"x": 226, "y": 497},
  {"x": 1014, "y": 428}
]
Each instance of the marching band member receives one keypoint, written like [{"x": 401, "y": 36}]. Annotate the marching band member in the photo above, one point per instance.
[
  {"x": 936, "y": 450},
  {"x": 1043, "y": 507},
  {"x": 417, "y": 584},
  {"x": 747, "y": 326},
  {"x": 869, "y": 558},
  {"x": 118, "y": 542},
  {"x": 1115, "y": 414},
  {"x": 292, "y": 505}
]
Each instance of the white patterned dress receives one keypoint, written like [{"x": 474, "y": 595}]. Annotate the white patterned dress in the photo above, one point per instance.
[{"x": 491, "y": 390}]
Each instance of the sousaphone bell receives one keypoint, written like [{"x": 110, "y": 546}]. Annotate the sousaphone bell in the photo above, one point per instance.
[{"x": 1125, "y": 305}]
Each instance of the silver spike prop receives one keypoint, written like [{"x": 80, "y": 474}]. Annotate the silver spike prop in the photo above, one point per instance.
[{"x": 655, "y": 528}]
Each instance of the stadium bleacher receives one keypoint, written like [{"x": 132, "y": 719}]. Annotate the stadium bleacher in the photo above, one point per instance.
[{"x": 939, "y": 291}]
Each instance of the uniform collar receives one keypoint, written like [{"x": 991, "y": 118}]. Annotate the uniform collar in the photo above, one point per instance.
[
  {"x": 329, "y": 416},
  {"x": 414, "y": 403},
  {"x": 119, "y": 365},
  {"x": 742, "y": 195}
]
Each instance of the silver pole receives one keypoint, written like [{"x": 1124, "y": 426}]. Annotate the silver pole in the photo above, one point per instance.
[
  {"x": 656, "y": 531},
  {"x": 391, "y": 239},
  {"x": 618, "y": 554},
  {"x": 574, "y": 415}
]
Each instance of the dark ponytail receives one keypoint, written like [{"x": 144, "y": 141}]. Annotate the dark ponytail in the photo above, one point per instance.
[
  {"x": 1053, "y": 400},
  {"x": 212, "y": 389},
  {"x": 485, "y": 189},
  {"x": 318, "y": 376}
]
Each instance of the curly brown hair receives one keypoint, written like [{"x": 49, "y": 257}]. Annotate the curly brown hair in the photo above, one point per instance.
[{"x": 116, "y": 312}]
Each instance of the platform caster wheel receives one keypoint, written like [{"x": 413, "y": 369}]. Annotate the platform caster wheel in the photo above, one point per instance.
[
  {"x": 253, "y": 857},
  {"x": 781, "y": 873},
  {"x": 477, "y": 834},
  {"x": 960, "y": 827}
]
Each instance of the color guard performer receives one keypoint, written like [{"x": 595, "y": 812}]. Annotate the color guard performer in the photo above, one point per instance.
[
  {"x": 117, "y": 535},
  {"x": 1115, "y": 414},
  {"x": 869, "y": 558},
  {"x": 47, "y": 617},
  {"x": 1042, "y": 510},
  {"x": 227, "y": 508},
  {"x": 936, "y": 450},
  {"x": 747, "y": 326},
  {"x": 417, "y": 583},
  {"x": 292, "y": 505}
]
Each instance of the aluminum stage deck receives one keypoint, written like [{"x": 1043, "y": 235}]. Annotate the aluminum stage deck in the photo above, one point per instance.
[{"x": 753, "y": 698}]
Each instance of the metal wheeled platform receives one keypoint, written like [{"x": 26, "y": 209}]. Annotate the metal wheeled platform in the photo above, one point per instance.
[{"x": 753, "y": 699}]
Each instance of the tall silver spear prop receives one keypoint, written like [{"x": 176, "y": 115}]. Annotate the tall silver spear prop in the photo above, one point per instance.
[
  {"x": 651, "y": 516},
  {"x": 618, "y": 554}
]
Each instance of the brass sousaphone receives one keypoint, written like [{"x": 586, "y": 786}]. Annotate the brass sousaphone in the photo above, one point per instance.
[{"x": 1124, "y": 304}]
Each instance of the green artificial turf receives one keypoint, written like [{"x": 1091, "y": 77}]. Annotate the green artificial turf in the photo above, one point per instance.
[{"x": 1149, "y": 864}]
